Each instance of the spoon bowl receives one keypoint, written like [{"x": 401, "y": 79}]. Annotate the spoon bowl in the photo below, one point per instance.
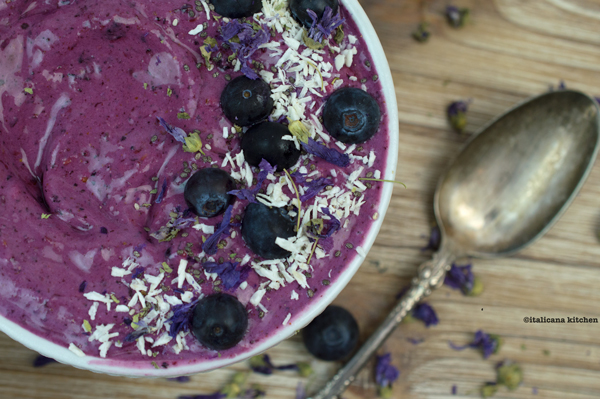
[
  {"x": 505, "y": 189},
  {"x": 512, "y": 181}
]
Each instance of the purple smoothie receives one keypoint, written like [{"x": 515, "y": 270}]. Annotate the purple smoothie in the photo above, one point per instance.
[{"x": 86, "y": 228}]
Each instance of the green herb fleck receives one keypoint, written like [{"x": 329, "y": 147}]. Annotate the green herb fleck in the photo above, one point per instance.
[
  {"x": 154, "y": 365},
  {"x": 183, "y": 115},
  {"x": 169, "y": 92},
  {"x": 145, "y": 86},
  {"x": 28, "y": 90},
  {"x": 46, "y": 215},
  {"x": 339, "y": 35},
  {"x": 86, "y": 326},
  {"x": 114, "y": 298},
  {"x": 310, "y": 43}
]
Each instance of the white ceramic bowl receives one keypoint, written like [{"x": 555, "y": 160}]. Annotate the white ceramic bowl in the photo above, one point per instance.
[{"x": 128, "y": 368}]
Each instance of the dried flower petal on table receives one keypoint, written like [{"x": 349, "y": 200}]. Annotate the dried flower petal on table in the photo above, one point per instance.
[
  {"x": 182, "y": 379},
  {"x": 435, "y": 239},
  {"x": 457, "y": 17},
  {"x": 462, "y": 278},
  {"x": 41, "y": 361},
  {"x": 385, "y": 375},
  {"x": 426, "y": 314},
  {"x": 421, "y": 34},
  {"x": 457, "y": 115},
  {"x": 488, "y": 343}
]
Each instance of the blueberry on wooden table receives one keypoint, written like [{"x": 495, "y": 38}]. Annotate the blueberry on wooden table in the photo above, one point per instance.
[
  {"x": 262, "y": 225},
  {"x": 332, "y": 335},
  {"x": 351, "y": 115},
  {"x": 219, "y": 321},
  {"x": 246, "y": 101},
  {"x": 298, "y": 9},
  {"x": 206, "y": 192},
  {"x": 237, "y": 8},
  {"x": 265, "y": 141}
]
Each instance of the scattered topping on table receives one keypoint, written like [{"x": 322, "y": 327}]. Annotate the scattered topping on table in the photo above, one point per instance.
[
  {"x": 489, "y": 389},
  {"x": 220, "y": 321},
  {"x": 351, "y": 115},
  {"x": 207, "y": 192},
  {"x": 300, "y": 391},
  {"x": 509, "y": 374},
  {"x": 421, "y": 34},
  {"x": 457, "y": 115},
  {"x": 462, "y": 278},
  {"x": 182, "y": 379},
  {"x": 262, "y": 364},
  {"x": 385, "y": 375},
  {"x": 332, "y": 335},
  {"x": 435, "y": 239},
  {"x": 41, "y": 361},
  {"x": 488, "y": 343},
  {"x": 457, "y": 17},
  {"x": 245, "y": 101},
  {"x": 425, "y": 313}
]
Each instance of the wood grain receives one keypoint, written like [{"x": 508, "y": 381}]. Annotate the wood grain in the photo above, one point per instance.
[{"x": 510, "y": 50}]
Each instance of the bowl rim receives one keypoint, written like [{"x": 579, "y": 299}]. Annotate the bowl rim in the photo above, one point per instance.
[{"x": 127, "y": 368}]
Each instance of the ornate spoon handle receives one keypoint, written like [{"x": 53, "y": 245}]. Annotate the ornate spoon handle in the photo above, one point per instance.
[{"x": 431, "y": 275}]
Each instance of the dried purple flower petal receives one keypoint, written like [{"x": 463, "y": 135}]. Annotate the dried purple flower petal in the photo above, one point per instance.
[
  {"x": 415, "y": 341},
  {"x": 262, "y": 364},
  {"x": 177, "y": 133},
  {"x": 435, "y": 239},
  {"x": 314, "y": 187},
  {"x": 322, "y": 29},
  {"x": 137, "y": 272},
  {"x": 385, "y": 373},
  {"x": 424, "y": 312},
  {"x": 210, "y": 245},
  {"x": 300, "y": 391},
  {"x": 250, "y": 194},
  {"x": 457, "y": 115},
  {"x": 181, "y": 317},
  {"x": 41, "y": 361},
  {"x": 103, "y": 230},
  {"x": 488, "y": 343},
  {"x": 454, "y": 389},
  {"x": 253, "y": 393},
  {"x": 331, "y": 155},
  {"x": 82, "y": 286},
  {"x": 181, "y": 379},
  {"x": 227, "y": 271},
  {"x": 334, "y": 224},
  {"x": 161, "y": 195},
  {"x": 248, "y": 42},
  {"x": 216, "y": 395},
  {"x": 134, "y": 335},
  {"x": 457, "y": 17},
  {"x": 460, "y": 278}
]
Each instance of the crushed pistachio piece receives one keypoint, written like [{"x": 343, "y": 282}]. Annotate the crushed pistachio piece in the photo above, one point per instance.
[
  {"x": 28, "y": 90},
  {"x": 46, "y": 215}
]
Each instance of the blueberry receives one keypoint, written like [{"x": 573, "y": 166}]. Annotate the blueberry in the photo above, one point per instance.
[
  {"x": 264, "y": 140},
  {"x": 351, "y": 115},
  {"x": 245, "y": 101},
  {"x": 298, "y": 9},
  {"x": 220, "y": 321},
  {"x": 237, "y": 8},
  {"x": 262, "y": 225},
  {"x": 206, "y": 192},
  {"x": 332, "y": 335}
]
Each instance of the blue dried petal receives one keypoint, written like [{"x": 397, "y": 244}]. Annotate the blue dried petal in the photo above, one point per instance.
[
  {"x": 454, "y": 389},
  {"x": 331, "y": 155},
  {"x": 182, "y": 379},
  {"x": 485, "y": 342},
  {"x": 460, "y": 278},
  {"x": 246, "y": 70},
  {"x": 82, "y": 286},
  {"x": 300, "y": 391},
  {"x": 134, "y": 335},
  {"x": 140, "y": 247},
  {"x": 252, "y": 393},
  {"x": 334, "y": 224},
  {"x": 322, "y": 29},
  {"x": 216, "y": 395},
  {"x": 425, "y": 313},
  {"x": 227, "y": 271},
  {"x": 181, "y": 317},
  {"x": 457, "y": 107},
  {"x": 136, "y": 272},
  {"x": 210, "y": 245},
  {"x": 41, "y": 361},
  {"x": 163, "y": 190},
  {"x": 385, "y": 373},
  {"x": 435, "y": 239},
  {"x": 314, "y": 187},
  {"x": 249, "y": 41},
  {"x": 177, "y": 133},
  {"x": 249, "y": 194}
]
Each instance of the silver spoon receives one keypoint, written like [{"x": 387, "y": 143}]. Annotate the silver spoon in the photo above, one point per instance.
[{"x": 504, "y": 190}]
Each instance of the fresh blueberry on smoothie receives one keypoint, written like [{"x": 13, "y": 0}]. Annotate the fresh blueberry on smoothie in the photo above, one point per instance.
[
  {"x": 267, "y": 140},
  {"x": 236, "y": 8},
  {"x": 261, "y": 227},
  {"x": 245, "y": 101},
  {"x": 351, "y": 115},
  {"x": 219, "y": 321},
  {"x": 206, "y": 192}
]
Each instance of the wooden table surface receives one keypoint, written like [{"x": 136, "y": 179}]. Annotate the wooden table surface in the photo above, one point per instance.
[{"x": 510, "y": 50}]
